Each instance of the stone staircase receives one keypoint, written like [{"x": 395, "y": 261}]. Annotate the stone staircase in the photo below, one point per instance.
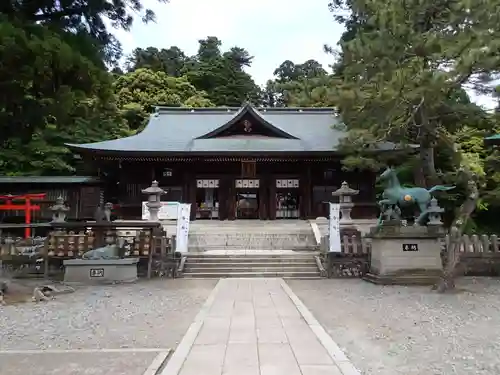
[
  {"x": 251, "y": 264},
  {"x": 251, "y": 235}
]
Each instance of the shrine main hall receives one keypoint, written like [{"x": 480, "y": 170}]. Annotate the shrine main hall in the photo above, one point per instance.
[{"x": 231, "y": 163}]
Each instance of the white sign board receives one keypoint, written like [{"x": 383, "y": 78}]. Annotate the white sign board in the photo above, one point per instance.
[
  {"x": 184, "y": 212},
  {"x": 334, "y": 229},
  {"x": 168, "y": 211}
]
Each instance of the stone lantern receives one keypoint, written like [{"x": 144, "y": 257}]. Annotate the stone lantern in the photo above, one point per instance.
[
  {"x": 435, "y": 212},
  {"x": 11, "y": 246},
  {"x": 345, "y": 194},
  {"x": 59, "y": 211},
  {"x": 154, "y": 193}
]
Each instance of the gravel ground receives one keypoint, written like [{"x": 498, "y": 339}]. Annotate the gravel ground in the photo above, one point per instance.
[
  {"x": 75, "y": 363},
  {"x": 149, "y": 314},
  {"x": 391, "y": 330}
]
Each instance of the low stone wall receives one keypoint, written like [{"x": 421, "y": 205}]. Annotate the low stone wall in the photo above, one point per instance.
[
  {"x": 339, "y": 265},
  {"x": 353, "y": 261}
]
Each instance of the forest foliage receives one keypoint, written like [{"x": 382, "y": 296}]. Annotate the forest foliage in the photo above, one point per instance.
[{"x": 398, "y": 73}]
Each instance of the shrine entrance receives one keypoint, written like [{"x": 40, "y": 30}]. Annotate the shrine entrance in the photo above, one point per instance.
[
  {"x": 287, "y": 199},
  {"x": 247, "y": 198}
]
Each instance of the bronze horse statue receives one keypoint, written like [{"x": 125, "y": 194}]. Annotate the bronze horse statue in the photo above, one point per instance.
[{"x": 396, "y": 196}]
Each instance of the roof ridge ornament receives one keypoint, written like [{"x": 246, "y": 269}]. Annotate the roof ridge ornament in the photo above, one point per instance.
[{"x": 247, "y": 126}]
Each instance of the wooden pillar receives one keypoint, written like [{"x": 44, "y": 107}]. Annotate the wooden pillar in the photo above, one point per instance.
[
  {"x": 272, "y": 197},
  {"x": 302, "y": 198},
  {"x": 306, "y": 188},
  {"x": 263, "y": 197},
  {"x": 191, "y": 198},
  {"x": 223, "y": 198},
  {"x": 186, "y": 176},
  {"x": 231, "y": 214},
  {"x": 118, "y": 185}
]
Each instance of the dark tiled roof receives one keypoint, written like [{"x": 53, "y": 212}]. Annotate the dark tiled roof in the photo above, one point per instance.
[
  {"x": 47, "y": 179},
  {"x": 177, "y": 130}
]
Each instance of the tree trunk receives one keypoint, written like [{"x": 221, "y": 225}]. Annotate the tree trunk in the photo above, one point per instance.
[
  {"x": 428, "y": 165},
  {"x": 418, "y": 175},
  {"x": 427, "y": 142},
  {"x": 450, "y": 272}
]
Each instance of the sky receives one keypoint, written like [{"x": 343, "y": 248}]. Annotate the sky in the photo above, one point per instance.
[{"x": 271, "y": 30}]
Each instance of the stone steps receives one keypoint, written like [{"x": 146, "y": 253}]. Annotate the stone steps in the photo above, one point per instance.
[
  {"x": 259, "y": 265},
  {"x": 284, "y": 275},
  {"x": 251, "y": 235},
  {"x": 239, "y": 268},
  {"x": 203, "y": 248},
  {"x": 272, "y": 241},
  {"x": 249, "y": 263}
]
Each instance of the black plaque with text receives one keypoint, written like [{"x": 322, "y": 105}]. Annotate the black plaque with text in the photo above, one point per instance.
[
  {"x": 97, "y": 272},
  {"x": 410, "y": 247}
]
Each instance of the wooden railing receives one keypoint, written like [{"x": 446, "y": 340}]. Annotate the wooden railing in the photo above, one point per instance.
[
  {"x": 144, "y": 240},
  {"x": 477, "y": 245}
]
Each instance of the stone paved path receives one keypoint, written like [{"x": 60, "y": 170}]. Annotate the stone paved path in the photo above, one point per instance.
[{"x": 256, "y": 327}]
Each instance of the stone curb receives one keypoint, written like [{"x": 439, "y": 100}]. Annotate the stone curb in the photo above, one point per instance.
[{"x": 180, "y": 354}]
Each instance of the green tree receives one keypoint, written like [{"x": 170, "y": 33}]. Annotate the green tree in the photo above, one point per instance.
[
  {"x": 404, "y": 64},
  {"x": 60, "y": 96},
  {"x": 222, "y": 75},
  {"x": 309, "y": 92},
  {"x": 401, "y": 77},
  {"x": 83, "y": 16},
  {"x": 297, "y": 85},
  {"x": 171, "y": 61},
  {"x": 140, "y": 91}
]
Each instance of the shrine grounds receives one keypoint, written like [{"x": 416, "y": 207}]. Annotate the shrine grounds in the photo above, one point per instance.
[
  {"x": 395, "y": 330},
  {"x": 124, "y": 320},
  {"x": 384, "y": 330}
]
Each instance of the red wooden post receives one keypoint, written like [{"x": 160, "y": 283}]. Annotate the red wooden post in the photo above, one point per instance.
[
  {"x": 27, "y": 206},
  {"x": 27, "y": 217}
]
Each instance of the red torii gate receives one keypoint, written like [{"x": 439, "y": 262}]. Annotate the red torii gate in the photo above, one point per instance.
[{"x": 27, "y": 206}]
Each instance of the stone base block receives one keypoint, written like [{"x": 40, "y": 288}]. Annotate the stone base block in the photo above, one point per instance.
[
  {"x": 416, "y": 277},
  {"x": 405, "y": 255},
  {"x": 100, "y": 271}
]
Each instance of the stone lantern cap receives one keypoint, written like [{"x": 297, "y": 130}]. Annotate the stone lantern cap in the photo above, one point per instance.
[
  {"x": 59, "y": 205},
  {"x": 345, "y": 190},
  {"x": 154, "y": 189}
]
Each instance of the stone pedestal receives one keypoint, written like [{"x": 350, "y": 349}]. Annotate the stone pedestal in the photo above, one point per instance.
[
  {"x": 100, "y": 271},
  {"x": 405, "y": 255}
]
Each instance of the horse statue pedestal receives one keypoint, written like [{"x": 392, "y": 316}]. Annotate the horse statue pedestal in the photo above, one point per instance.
[
  {"x": 100, "y": 271},
  {"x": 403, "y": 255}
]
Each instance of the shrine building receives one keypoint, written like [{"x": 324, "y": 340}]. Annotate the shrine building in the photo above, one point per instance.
[{"x": 232, "y": 163}]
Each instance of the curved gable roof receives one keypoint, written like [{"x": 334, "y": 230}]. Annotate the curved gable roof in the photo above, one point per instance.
[
  {"x": 249, "y": 110},
  {"x": 192, "y": 130}
]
